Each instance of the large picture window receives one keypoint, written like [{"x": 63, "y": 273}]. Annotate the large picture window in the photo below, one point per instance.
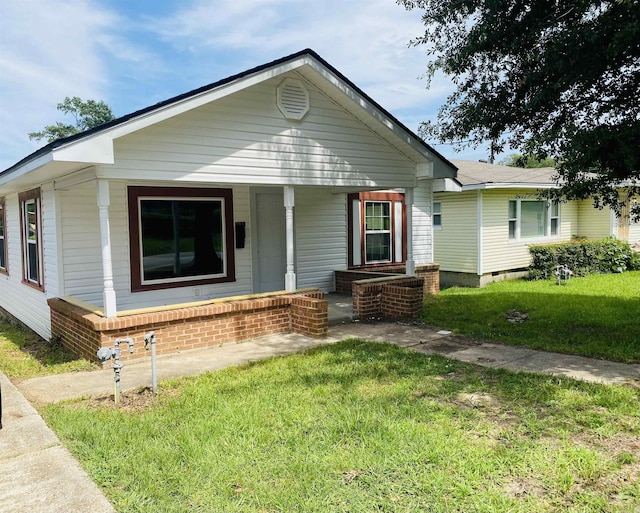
[
  {"x": 3, "y": 239},
  {"x": 180, "y": 237},
  {"x": 531, "y": 219},
  {"x": 376, "y": 229},
  {"x": 31, "y": 236}
]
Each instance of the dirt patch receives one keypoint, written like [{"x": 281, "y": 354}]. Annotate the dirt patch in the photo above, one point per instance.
[{"x": 135, "y": 400}]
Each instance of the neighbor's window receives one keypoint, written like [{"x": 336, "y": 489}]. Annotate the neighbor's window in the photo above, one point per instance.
[
  {"x": 529, "y": 219},
  {"x": 31, "y": 234},
  {"x": 3, "y": 240},
  {"x": 437, "y": 214},
  {"x": 180, "y": 236}
]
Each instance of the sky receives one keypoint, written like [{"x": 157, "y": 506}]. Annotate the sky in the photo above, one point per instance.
[{"x": 134, "y": 53}]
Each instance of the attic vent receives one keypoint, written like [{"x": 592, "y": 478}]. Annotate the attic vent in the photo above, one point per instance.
[{"x": 292, "y": 98}]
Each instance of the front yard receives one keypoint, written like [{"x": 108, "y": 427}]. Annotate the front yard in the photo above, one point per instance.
[
  {"x": 359, "y": 426},
  {"x": 596, "y": 316}
]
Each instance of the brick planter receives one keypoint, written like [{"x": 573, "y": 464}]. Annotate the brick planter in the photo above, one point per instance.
[{"x": 190, "y": 326}]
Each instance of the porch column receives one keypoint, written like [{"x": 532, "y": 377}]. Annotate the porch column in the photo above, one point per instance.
[
  {"x": 408, "y": 201},
  {"x": 290, "y": 276},
  {"x": 108, "y": 293}
]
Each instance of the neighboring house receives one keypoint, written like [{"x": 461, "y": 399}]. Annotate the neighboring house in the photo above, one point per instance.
[
  {"x": 486, "y": 219},
  {"x": 239, "y": 187}
]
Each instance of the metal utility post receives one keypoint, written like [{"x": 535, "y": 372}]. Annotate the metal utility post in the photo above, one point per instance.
[
  {"x": 150, "y": 340},
  {"x": 106, "y": 353}
]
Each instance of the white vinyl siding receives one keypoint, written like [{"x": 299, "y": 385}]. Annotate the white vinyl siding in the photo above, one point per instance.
[
  {"x": 23, "y": 301},
  {"x": 422, "y": 224},
  {"x": 321, "y": 237},
  {"x": 456, "y": 243},
  {"x": 244, "y": 138}
]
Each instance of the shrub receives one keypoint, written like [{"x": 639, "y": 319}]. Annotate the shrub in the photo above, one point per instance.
[{"x": 583, "y": 257}]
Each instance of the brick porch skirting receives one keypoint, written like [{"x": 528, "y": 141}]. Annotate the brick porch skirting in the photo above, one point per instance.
[
  {"x": 190, "y": 326},
  {"x": 429, "y": 273},
  {"x": 394, "y": 297}
]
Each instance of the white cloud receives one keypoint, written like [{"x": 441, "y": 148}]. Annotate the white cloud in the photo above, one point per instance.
[
  {"x": 49, "y": 50},
  {"x": 367, "y": 40}
]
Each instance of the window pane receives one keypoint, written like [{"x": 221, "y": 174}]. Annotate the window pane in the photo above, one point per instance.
[
  {"x": 32, "y": 257},
  {"x": 181, "y": 238},
  {"x": 31, "y": 220},
  {"x": 436, "y": 207},
  {"x": 437, "y": 220},
  {"x": 532, "y": 219},
  {"x": 377, "y": 215},
  {"x": 554, "y": 209},
  {"x": 512, "y": 209},
  {"x": 512, "y": 229},
  {"x": 2, "y": 263},
  {"x": 1, "y": 222},
  {"x": 378, "y": 247},
  {"x": 554, "y": 226}
]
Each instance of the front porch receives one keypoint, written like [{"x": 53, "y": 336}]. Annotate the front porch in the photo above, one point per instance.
[{"x": 84, "y": 328}]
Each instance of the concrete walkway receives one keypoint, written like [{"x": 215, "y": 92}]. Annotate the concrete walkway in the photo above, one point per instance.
[{"x": 37, "y": 474}]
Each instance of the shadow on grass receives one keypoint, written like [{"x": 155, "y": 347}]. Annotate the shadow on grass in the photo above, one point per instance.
[{"x": 25, "y": 354}]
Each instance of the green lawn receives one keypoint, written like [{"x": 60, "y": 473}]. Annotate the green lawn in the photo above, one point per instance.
[
  {"x": 597, "y": 316},
  {"x": 23, "y": 354},
  {"x": 358, "y": 427}
]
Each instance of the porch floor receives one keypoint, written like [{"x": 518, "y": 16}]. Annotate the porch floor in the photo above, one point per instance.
[{"x": 340, "y": 308}]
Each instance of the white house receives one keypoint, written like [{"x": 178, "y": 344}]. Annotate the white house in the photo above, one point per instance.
[
  {"x": 487, "y": 217},
  {"x": 238, "y": 187}
]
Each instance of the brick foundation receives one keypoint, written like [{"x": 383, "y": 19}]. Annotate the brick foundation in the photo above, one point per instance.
[
  {"x": 190, "y": 327},
  {"x": 429, "y": 273}
]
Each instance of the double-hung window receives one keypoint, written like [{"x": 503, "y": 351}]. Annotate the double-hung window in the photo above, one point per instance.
[
  {"x": 377, "y": 234},
  {"x": 180, "y": 237},
  {"x": 533, "y": 219},
  {"x": 437, "y": 215},
  {"x": 3, "y": 239},
  {"x": 31, "y": 236}
]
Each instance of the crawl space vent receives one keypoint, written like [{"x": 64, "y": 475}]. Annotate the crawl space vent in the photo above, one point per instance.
[{"x": 292, "y": 99}]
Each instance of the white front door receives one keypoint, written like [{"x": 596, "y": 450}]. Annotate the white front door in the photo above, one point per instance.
[{"x": 271, "y": 257}]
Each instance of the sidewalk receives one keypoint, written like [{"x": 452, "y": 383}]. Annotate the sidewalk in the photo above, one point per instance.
[{"x": 38, "y": 475}]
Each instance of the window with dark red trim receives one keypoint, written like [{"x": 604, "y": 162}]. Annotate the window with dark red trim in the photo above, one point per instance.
[
  {"x": 180, "y": 236},
  {"x": 31, "y": 238},
  {"x": 4, "y": 266},
  {"x": 377, "y": 229}
]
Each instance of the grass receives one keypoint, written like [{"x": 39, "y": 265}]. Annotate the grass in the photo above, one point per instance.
[
  {"x": 23, "y": 354},
  {"x": 360, "y": 426},
  {"x": 596, "y": 316}
]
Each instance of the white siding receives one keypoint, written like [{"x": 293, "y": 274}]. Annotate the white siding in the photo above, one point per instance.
[
  {"x": 321, "y": 237},
  {"x": 456, "y": 243},
  {"x": 22, "y": 301},
  {"x": 244, "y": 138},
  {"x": 422, "y": 225},
  {"x": 81, "y": 248}
]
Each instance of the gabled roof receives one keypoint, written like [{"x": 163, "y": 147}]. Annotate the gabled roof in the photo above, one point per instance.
[
  {"x": 481, "y": 175},
  {"x": 97, "y": 142}
]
